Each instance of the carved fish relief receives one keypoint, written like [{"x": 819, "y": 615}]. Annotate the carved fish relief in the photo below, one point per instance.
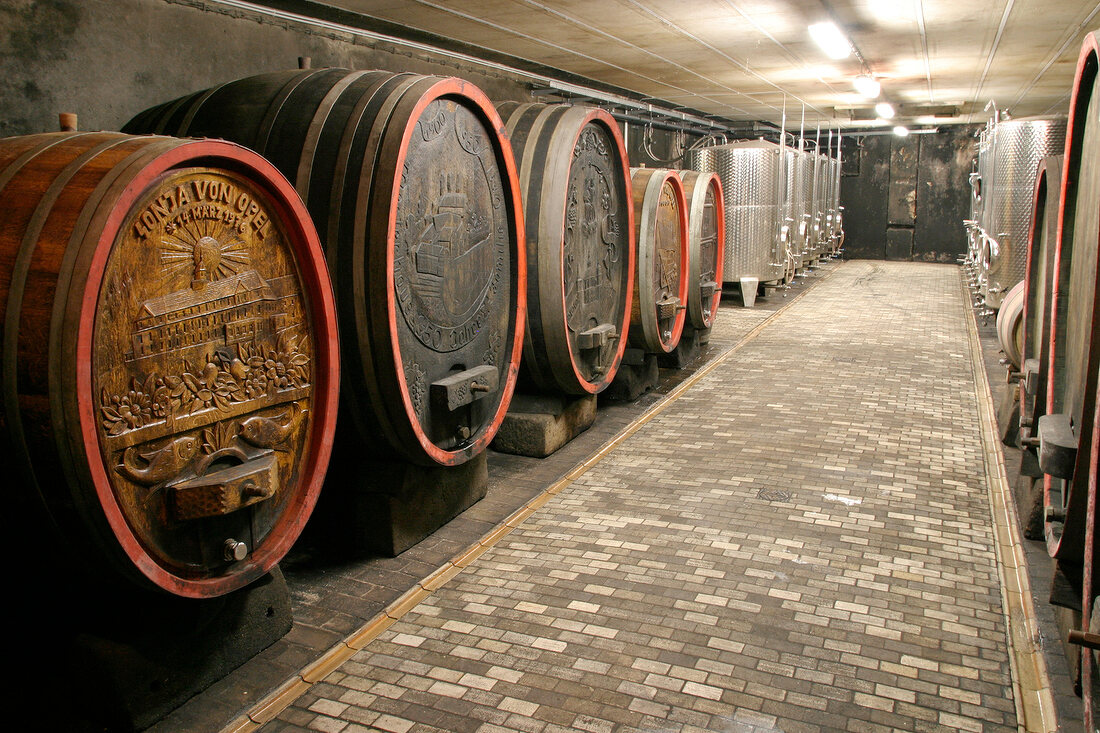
[
  {"x": 268, "y": 432},
  {"x": 160, "y": 464}
]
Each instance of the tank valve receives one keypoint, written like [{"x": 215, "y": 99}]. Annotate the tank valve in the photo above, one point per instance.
[{"x": 235, "y": 551}]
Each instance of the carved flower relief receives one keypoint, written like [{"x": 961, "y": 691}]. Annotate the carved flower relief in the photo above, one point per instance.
[
  {"x": 212, "y": 387},
  {"x": 223, "y": 379},
  {"x": 414, "y": 378},
  {"x": 126, "y": 412},
  {"x": 496, "y": 341}
]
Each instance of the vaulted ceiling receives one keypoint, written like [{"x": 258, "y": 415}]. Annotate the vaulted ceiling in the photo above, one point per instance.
[{"x": 939, "y": 61}]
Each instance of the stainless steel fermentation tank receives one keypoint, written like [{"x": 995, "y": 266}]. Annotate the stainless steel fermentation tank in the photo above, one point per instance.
[
  {"x": 753, "y": 185},
  {"x": 1008, "y": 155},
  {"x": 834, "y": 222},
  {"x": 820, "y": 205},
  {"x": 802, "y": 206}
]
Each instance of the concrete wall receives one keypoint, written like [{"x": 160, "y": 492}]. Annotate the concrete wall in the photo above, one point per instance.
[
  {"x": 906, "y": 198},
  {"x": 107, "y": 60}
]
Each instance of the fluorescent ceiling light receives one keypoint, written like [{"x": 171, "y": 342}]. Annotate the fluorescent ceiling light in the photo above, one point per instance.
[
  {"x": 832, "y": 41},
  {"x": 901, "y": 130},
  {"x": 867, "y": 86},
  {"x": 885, "y": 110}
]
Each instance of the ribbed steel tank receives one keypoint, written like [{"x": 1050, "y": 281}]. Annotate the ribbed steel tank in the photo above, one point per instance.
[
  {"x": 1017, "y": 146},
  {"x": 803, "y": 187},
  {"x": 820, "y": 203},
  {"x": 752, "y": 183},
  {"x": 788, "y": 210},
  {"x": 833, "y": 211},
  {"x": 981, "y": 183}
]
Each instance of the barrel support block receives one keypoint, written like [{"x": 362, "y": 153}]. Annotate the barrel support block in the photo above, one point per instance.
[
  {"x": 385, "y": 507},
  {"x": 1057, "y": 446},
  {"x": 140, "y": 673},
  {"x": 638, "y": 373},
  {"x": 693, "y": 342},
  {"x": 537, "y": 426}
]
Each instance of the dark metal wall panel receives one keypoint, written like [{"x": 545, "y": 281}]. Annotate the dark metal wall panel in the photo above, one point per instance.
[
  {"x": 899, "y": 243},
  {"x": 864, "y": 197},
  {"x": 903, "y": 181},
  {"x": 943, "y": 198},
  {"x": 919, "y": 183}
]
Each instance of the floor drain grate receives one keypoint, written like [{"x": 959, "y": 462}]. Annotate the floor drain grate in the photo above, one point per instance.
[{"x": 773, "y": 495}]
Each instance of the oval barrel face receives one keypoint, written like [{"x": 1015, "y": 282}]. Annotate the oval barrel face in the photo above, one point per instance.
[
  {"x": 1073, "y": 357},
  {"x": 709, "y": 251},
  {"x": 580, "y": 234},
  {"x": 665, "y": 272},
  {"x": 595, "y": 261},
  {"x": 452, "y": 264},
  {"x": 1037, "y": 283},
  {"x": 203, "y": 367},
  {"x": 706, "y": 228},
  {"x": 1076, "y": 311}
]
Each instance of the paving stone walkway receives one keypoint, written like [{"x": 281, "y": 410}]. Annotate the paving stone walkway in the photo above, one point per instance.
[{"x": 800, "y": 542}]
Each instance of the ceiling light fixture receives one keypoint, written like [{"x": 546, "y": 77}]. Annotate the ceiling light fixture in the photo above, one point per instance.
[
  {"x": 832, "y": 41},
  {"x": 901, "y": 131},
  {"x": 885, "y": 110},
  {"x": 867, "y": 86}
]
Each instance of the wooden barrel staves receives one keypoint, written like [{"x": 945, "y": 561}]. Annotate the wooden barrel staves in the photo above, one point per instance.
[
  {"x": 170, "y": 361},
  {"x": 661, "y": 281},
  {"x": 1066, "y": 428},
  {"x": 706, "y": 245},
  {"x": 580, "y": 255},
  {"x": 1071, "y": 387},
  {"x": 1039, "y": 269},
  {"x": 412, "y": 185}
]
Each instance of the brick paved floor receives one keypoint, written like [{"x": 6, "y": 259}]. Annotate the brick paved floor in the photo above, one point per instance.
[{"x": 799, "y": 542}]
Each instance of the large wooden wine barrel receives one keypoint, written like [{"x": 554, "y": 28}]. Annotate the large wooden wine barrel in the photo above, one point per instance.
[
  {"x": 1039, "y": 273},
  {"x": 1071, "y": 386},
  {"x": 412, "y": 184},
  {"x": 580, "y": 249},
  {"x": 661, "y": 282},
  {"x": 1074, "y": 361},
  {"x": 170, "y": 359},
  {"x": 706, "y": 245}
]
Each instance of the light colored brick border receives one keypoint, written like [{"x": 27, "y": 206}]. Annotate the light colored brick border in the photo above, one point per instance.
[
  {"x": 283, "y": 696},
  {"x": 1035, "y": 710}
]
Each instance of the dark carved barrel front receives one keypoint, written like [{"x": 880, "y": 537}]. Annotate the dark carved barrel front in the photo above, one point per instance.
[
  {"x": 661, "y": 280},
  {"x": 170, "y": 360},
  {"x": 706, "y": 245},
  {"x": 412, "y": 185},
  {"x": 580, "y": 256}
]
